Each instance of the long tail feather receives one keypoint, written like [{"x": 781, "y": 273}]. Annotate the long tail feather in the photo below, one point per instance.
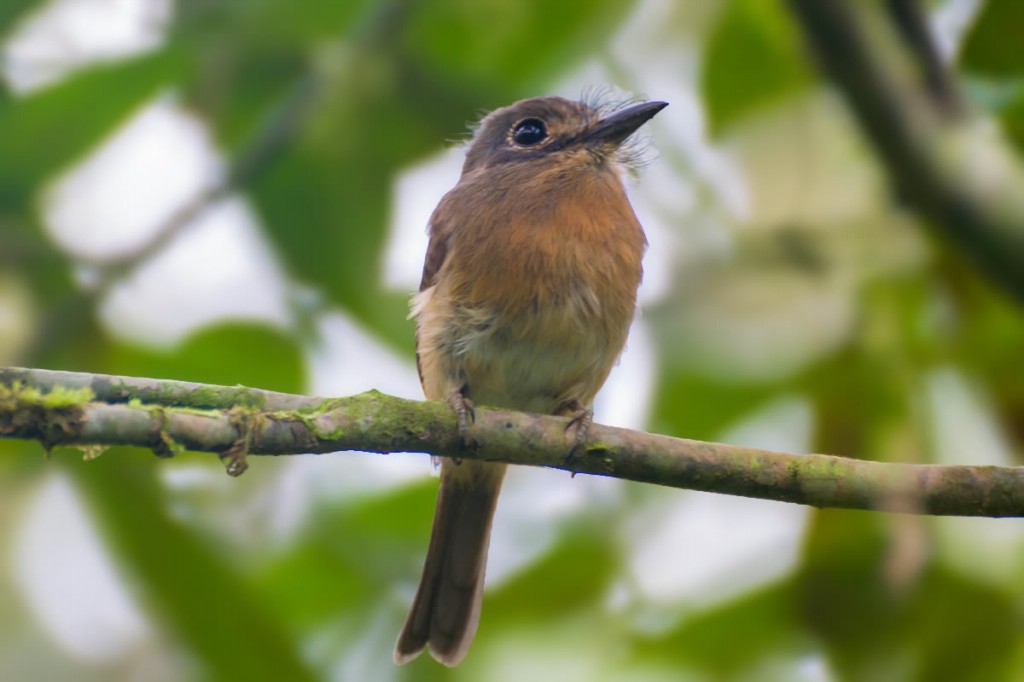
[{"x": 446, "y": 610}]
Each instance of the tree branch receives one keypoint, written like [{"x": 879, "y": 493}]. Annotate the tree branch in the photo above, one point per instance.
[
  {"x": 120, "y": 389},
  {"x": 912, "y": 24},
  {"x": 58, "y": 408},
  {"x": 952, "y": 167}
]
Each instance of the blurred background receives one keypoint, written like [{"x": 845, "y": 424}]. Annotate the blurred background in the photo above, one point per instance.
[{"x": 236, "y": 192}]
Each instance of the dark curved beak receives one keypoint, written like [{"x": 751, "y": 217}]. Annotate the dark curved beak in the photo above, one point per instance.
[{"x": 615, "y": 128}]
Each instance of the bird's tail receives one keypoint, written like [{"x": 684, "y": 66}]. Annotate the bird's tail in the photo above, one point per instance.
[{"x": 446, "y": 610}]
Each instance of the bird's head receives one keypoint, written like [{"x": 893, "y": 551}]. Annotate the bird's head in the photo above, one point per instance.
[{"x": 551, "y": 130}]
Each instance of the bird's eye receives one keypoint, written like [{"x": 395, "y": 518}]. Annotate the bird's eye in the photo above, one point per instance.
[{"x": 529, "y": 132}]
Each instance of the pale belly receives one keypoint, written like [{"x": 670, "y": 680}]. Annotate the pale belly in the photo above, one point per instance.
[
  {"x": 539, "y": 365},
  {"x": 543, "y": 355}
]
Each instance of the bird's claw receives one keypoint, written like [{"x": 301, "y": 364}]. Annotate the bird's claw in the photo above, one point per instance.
[
  {"x": 582, "y": 420},
  {"x": 465, "y": 414}
]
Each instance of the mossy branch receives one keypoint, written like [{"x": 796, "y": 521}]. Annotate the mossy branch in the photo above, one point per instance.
[{"x": 64, "y": 408}]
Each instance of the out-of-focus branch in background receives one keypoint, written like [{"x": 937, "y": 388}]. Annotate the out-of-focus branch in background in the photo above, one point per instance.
[{"x": 949, "y": 163}]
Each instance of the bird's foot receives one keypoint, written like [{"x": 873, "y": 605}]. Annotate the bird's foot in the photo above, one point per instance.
[
  {"x": 582, "y": 420},
  {"x": 465, "y": 414}
]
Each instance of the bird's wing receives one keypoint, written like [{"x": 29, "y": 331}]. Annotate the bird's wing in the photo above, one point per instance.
[{"x": 437, "y": 251}]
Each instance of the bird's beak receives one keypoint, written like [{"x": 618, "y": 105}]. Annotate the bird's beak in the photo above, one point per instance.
[{"x": 615, "y": 128}]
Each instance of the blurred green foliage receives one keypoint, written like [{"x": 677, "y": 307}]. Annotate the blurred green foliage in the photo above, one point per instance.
[
  {"x": 11, "y": 11},
  {"x": 991, "y": 48},
  {"x": 754, "y": 58},
  {"x": 41, "y": 134},
  {"x": 211, "y": 356},
  {"x": 991, "y": 53},
  {"x": 317, "y": 107},
  {"x": 212, "y": 614}
]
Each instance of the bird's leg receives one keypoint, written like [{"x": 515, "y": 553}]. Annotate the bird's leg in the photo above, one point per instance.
[
  {"x": 582, "y": 420},
  {"x": 465, "y": 415}
]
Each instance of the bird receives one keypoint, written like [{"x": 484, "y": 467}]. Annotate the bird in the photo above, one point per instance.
[{"x": 528, "y": 291}]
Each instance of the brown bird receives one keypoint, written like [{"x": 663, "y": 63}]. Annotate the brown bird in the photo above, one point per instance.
[{"x": 528, "y": 290}]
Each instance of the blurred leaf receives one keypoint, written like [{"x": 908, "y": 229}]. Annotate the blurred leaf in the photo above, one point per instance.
[
  {"x": 992, "y": 45},
  {"x": 12, "y": 11},
  {"x": 267, "y": 24},
  {"x": 45, "y": 131},
  {"x": 253, "y": 355},
  {"x": 693, "y": 406},
  {"x": 1003, "y": 97},
  {"x": 273, "y": 22},
  {"x": 351, "y": 554},
  {"x": 69, "y": 336},
  {"x": 20, "y": 463},
  {"x": 1011, "y": 115},
  {"x": 754, "y": 58},
  {"x": 239, "y": 94},
  {"x": 965, "y": 630},
  {"x": 247, "y": 56},
  {"x": 865, "y": 394},
  {"x": 325, "y": 202},
  {"x": 988, "y": 334},
  {"x": 855, "y": 398},
  {"x": 519, "y": 44},
  {"x": 764, "y": 621},
  {"x": 573, "y": 576},
  {"x": 312, "y": 584},
  {"x": 203, "y": 603},
  {"x": 844, "y": 598},
  {"x": 328, "y": 221},
  {"x": 943, "y": 626},
  {"x": 378, "y": 532}
]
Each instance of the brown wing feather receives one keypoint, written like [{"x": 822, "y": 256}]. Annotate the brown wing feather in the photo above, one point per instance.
[{"x": 437, "y": 252}]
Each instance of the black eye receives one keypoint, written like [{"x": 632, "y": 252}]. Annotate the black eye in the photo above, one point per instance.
[{"x": 529, "y": 132}]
